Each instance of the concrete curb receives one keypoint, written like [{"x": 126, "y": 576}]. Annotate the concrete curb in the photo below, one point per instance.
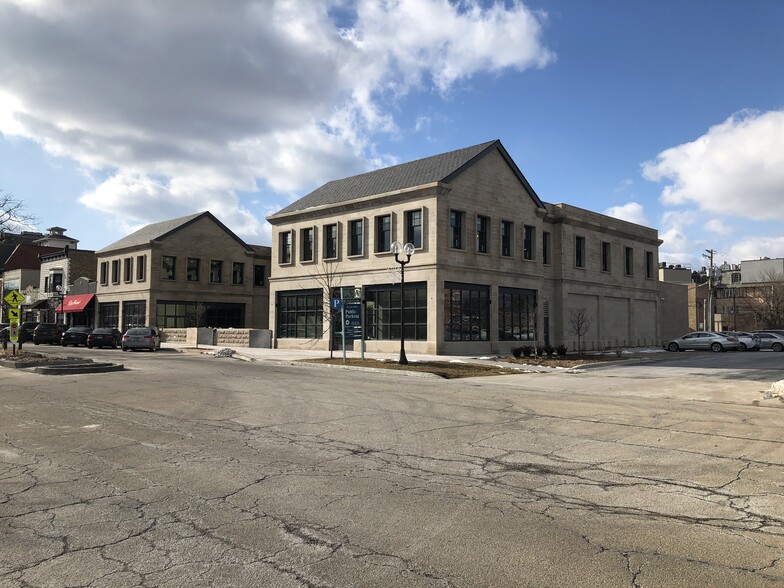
[{"x": 82, "y": 368}]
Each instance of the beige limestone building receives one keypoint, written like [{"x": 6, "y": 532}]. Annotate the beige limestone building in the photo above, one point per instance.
[
  {"x": 185, "y": 272},
  {"x": 493, "y": 265}
]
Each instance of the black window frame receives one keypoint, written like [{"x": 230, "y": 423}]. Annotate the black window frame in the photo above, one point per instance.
[
  {"x": 547, "y": 243},
  {"x": 628, "y": 261},
  {"x": 193, "y": 270},
  {"x": 285, "y": 241},
  {"x": 306, "y": 252},
  {"x": 168, "y": 271},
  {"x": 507, "y": 238},
  {"x": 330, "y": 241},
  {"x": 141, "y": 268},
  {"x": 237, "y": 273},
  {"x": 466, "y": 312},
  {"x": 482, "y": 233},
  {"x": 456, "y": 224},
  {"x": 516, "y": 314},
  {"x": 649, "y": 265},
  {"x": 529, "y": 242},
  {"x": 413, "y": 220},
  {"x": 216, "y": 271},
  {"x": 259, "y": 274},
  {"x": 300, "y": 314},
  {"x": 579, "y": 251},
  {"x": 356, "y": 231},
  {"x": 606, "y": 256},
  {"x": 383, "y": 233},
  {"x": 128, "y": 270}
]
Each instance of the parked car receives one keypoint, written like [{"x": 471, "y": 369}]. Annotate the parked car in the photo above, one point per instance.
[
  {"x": 75, "y": 336},
  {"x": 703, "y": 340},
  {"x": 47, "y": 333},
  {"x": 141, "y": 338},
  {"x": 746, "y": 341},
  {"x": 26, "y": 331},
  {"x": 104, "y": 337},
  {"x": 770, "y": 340}
]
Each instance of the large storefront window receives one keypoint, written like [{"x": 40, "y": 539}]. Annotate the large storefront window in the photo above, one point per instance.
[
  {"x": 382, "y": 311},
  {"x": 516, "y": 314},
  {"x": 300, "y": 314},
  {"x": 220, "y": 315},
  {"x": 134, "y": 314},
  {"x": 109, "y": 315},
  {"x": 466, "y": 312}
]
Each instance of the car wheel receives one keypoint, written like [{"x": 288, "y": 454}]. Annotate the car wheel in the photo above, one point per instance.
[
  {"x": 125, "y": 349},
  {"x": 742, "y": 347},
  {"x": 64, "y": 344},
  {"x": 777, "y": 347},
  {"x": 36, "y": 342},
  {"x": 114, "y": 346},
  {"x": 672, "y": 347},
  {"x": 716, "y": 347},
  {"x": 89, "y": 346}
]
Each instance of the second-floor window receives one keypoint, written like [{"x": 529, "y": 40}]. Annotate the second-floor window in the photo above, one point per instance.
[
  {"x": 507, "y": 231},
  {"x": 285, "y": 247},
  {"x": 104, "y": 273},
  {"x": 238, "y": 273},
  {"x": 306, "y": 244},
  {"x": 141, "y": 268},
  {"x": 605, "y": 256},
  {"x": 414, "y": 228},
  {"x": 546, "y": 245},
  {"x": 649, "y": 264},
  {"x": 628, "y": 261},
  {"x": 258, "y": 275},
  {"x": 216, "y": 271},
  {"x": 116, "y": 271},
  {"x": 168, "y": 268},
  {"x": 193, "y": 268},
  {"x": 383, "y": 233},
  {"x": 355, "y": 237},
  {"x": 330, "y": 241},
  {"x": 579, "y": 251},
  {"x": 528, "y": 242},
  {"x": 482, "y": 233},
  {"x": 128, "y": 269},
  {"x": 456, "y": 228}
]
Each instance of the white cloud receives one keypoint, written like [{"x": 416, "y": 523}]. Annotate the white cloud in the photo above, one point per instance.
[
  {"x": 736, "y": 168},
  {"x": 631, "y": 211},
  {"x": 184, "y": 103},
  {"x": 755, "y": 248},
  {"x": 717, "y": 226}
]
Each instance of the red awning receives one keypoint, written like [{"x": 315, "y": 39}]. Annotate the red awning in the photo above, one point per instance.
[{"x": 75, "y": 303}]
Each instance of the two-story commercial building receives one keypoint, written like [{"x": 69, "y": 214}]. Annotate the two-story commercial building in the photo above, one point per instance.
[
  {"x": 492, "y": 263},
  {"x": 190, "y": 271}
]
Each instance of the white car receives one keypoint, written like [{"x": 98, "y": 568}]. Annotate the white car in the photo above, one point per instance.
[
  {"x": 704, "y": 340},
  {"x": 746, "y": 341},
  {"x": 770, "y": 340},
  {"x": 141, "y": 338}
]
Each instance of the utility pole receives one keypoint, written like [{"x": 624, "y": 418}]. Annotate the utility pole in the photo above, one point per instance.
[{"x": 709, "y": 322}]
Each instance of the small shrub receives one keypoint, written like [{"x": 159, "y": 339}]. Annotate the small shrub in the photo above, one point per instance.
[
  {"x": 561, "y": 350},
  {"x": 548, "y": 349},
  {"x": 517, "y": 351},
  {"x": 527, "y": 350}
]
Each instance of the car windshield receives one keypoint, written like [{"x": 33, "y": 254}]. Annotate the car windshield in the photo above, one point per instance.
[{"x": 102, "y": 332}]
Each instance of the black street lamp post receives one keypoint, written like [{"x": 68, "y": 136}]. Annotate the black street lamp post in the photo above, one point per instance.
[{"x": 408, "y": 249}]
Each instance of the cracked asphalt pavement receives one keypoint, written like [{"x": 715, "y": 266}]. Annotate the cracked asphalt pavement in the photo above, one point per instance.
[{"x": 196, "y": 471}]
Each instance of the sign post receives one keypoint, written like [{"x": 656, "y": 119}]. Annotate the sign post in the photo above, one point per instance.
[{"x": 14, "y": 299}]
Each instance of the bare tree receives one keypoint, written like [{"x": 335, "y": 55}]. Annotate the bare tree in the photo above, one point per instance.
[
  {"x": 579, "y": 323},
  {"x": 13, "y": 213},
  {"x": 765, "y": 300},
  {"x": 328, "y": 278}
]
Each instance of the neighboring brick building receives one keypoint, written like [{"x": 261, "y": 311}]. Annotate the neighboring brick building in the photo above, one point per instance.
[
  {"x": 185, "y": 272},
  {"x": 493, "y": 264},
  {"x": 22, "y": 271}
]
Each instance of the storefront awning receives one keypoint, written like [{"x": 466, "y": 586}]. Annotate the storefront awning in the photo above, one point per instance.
[
  {"x": 75, "y": 303},
  {"x": 40, "y": 303}
]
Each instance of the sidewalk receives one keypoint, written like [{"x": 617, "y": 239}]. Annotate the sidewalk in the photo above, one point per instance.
[{"x": 262, "y": 354}]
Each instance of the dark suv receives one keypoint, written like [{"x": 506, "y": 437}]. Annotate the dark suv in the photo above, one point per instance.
[
  {"x": 48, "y": 333},
  {"x": 26, "y": 331}
]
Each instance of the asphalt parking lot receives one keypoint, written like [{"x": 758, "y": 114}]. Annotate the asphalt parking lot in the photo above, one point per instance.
[{"x": 190, "y": 470}]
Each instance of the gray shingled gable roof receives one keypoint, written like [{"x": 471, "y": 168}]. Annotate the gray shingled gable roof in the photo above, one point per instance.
[
  {"x": 161, "y": 230},
  {"x": 437, "y": 168}
]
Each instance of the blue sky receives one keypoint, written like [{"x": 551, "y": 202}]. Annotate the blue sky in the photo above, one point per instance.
[{"x": 667, "y": 113}]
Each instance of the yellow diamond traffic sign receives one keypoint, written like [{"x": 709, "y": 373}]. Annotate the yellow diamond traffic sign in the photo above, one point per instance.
[{"x": 14, "y": 298}]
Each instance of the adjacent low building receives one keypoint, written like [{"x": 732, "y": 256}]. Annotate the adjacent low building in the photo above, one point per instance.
[
  {"x": 492, "y": 265},
  {"x": 185, "y": 272}
]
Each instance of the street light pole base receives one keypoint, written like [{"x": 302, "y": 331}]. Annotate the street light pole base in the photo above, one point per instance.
[{"x": 403, "y": 359}]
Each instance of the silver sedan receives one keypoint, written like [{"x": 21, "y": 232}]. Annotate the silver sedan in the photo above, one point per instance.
[
  {"x": 703, "y": 340},
  {"x": 772, "y": 341}
]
